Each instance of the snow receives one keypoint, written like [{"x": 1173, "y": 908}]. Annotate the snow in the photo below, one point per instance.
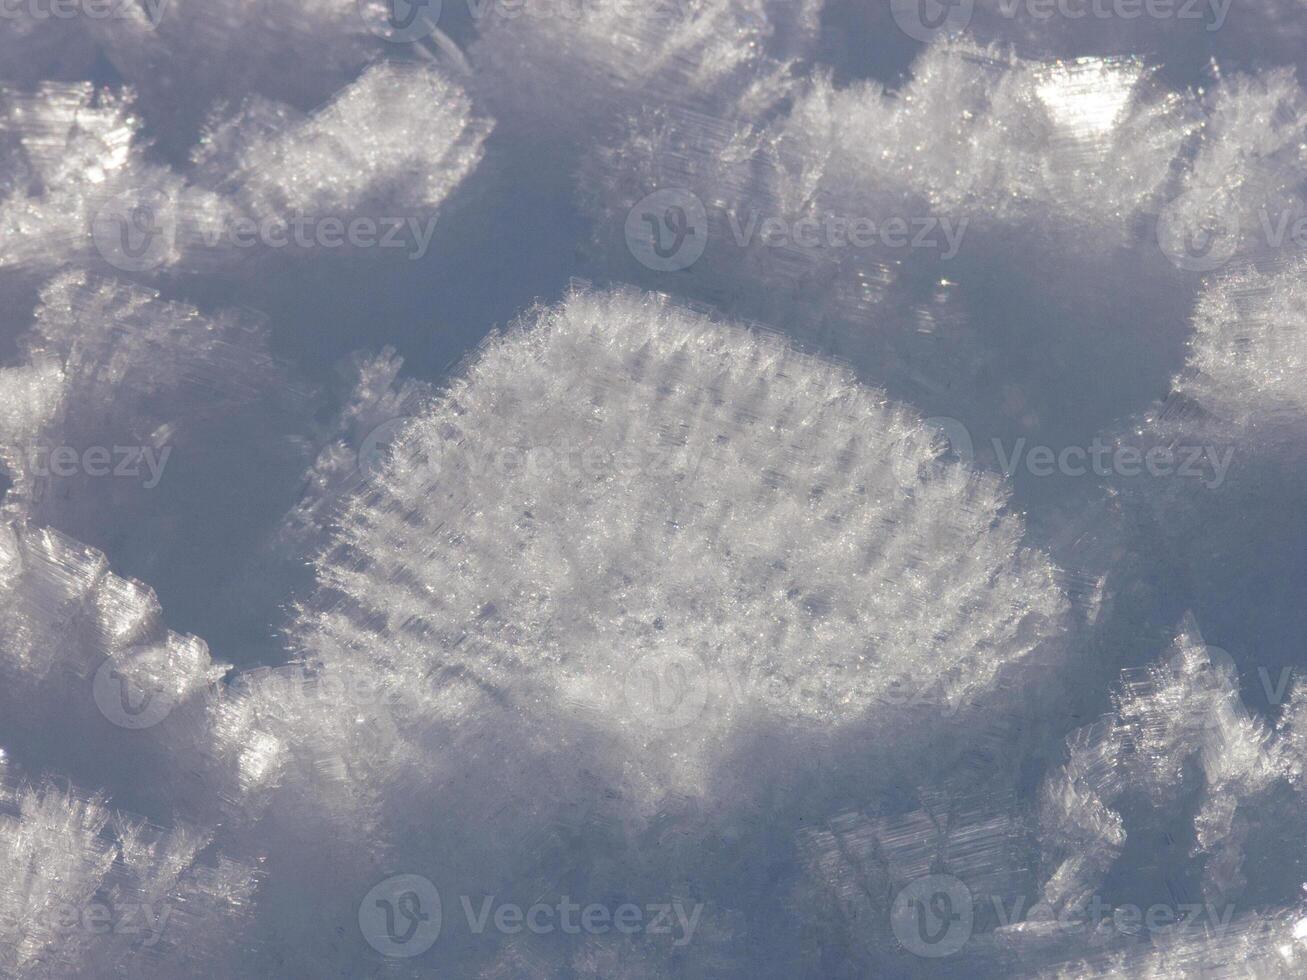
[{"x": 693, "y": 488}]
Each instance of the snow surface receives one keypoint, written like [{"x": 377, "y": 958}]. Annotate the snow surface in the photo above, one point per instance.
[{"x": 686, "y": 488}]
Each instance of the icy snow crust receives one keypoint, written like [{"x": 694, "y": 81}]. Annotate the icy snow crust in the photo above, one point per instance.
[{"x": 715, "y": 584}]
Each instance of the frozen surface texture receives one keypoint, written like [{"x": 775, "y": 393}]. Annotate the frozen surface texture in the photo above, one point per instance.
[
  {"x": 1180, "y": 763},
  {"x": 594, "y": 440},
  {"x": 706, "y": 502},
  {"x": 90, "y": 892},
  {"x": 620, "y": 489},
  {"x": 124, "y": 404},
  {"x": 114, "y": 370},
  {"x": 266, "y": 179},
  {"x": 586, "y": 64},
  {"x": 71, "y": 149},
  {"x": 183, "y": 55},
  {"x": 949, "y": 237},
  {"x": 1249, "y": 348},
  {"x": 397, "y": 138},
  {"x": 376, "y": 405},
  {"x": 1181, "y": 755}
]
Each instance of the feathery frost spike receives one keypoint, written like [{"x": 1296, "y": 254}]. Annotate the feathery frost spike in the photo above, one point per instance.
[
  {"x": 86, "y": 892},
  {"x": 1181, "y": 744},
  {"x": 1249, "y": 349},
  {"x": 85, "y": 646},
  {"x": 184, "y": 55},
  {"x": 397, "y": 140},
  {"x": 391, "y": 147},
  {"x": 625, "y": 493},
  {"x": 116, "y": 378},
  {"x": 873, "y": 223},
  {"x": 579, "y": 67},
  {"x": 1192, "y": 39}
]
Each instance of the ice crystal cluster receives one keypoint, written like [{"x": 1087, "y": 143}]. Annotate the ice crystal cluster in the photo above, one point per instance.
[{"x": 692, "y": 488}]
